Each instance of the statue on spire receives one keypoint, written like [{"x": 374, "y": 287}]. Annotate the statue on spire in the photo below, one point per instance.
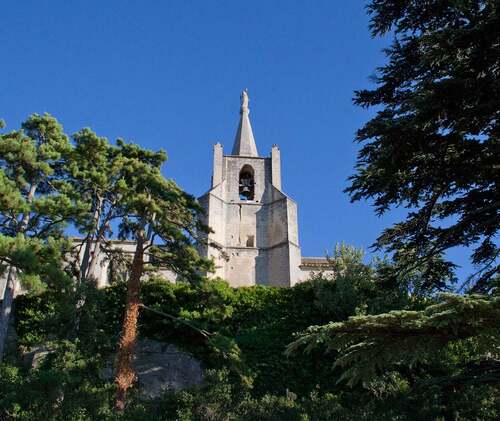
[{"x": 244, "y": 100}]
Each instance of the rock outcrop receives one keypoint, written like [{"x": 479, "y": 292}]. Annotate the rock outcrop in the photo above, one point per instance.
[{"x": 162, "y": 367}]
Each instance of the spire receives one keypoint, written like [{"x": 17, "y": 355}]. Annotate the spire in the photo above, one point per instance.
[{"x": 244, "y": 143}]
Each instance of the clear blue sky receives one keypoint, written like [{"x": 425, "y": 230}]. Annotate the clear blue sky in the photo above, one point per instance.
[{"x": 168, "y": 74}]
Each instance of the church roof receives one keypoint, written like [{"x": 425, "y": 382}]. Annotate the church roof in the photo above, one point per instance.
[{"x": 244, "y": 143}]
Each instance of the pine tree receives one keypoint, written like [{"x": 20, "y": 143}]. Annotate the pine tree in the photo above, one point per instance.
[
  {"x": 369, "y": 345},
  {"x": 433, "y": 148},
  {"x": 433, "y": 145},
  {"x": 97, "y": 188},
  {"x": 33, "y": 209},
  {"x": 94, "y": 180},
  {"x": 163, "y": 220}
]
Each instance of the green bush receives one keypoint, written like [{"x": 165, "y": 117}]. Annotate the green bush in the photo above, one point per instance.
[{"x": 245, "y": 333}]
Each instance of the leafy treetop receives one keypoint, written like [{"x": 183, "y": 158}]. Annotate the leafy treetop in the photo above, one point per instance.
[{"x": 433, "y": 146}]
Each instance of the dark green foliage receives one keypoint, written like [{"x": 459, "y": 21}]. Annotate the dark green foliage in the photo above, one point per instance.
[
  {"x": 433, "y": 147},
  {"x": 48, "y": 182},
  {"x": 373, "y": 343},
  {"x": 38, "y": 261},
  {"x": 31, "y": 168},
  {"x": 33, "y": 210},
  {"x": 253, "y": 326},
  {"x": 250, "y": 377},
  {"x": 65, "y": 387},
  {"x": 434, "y": 144},
  {"x": 356, "y": 287},
  {"x": 248, "y": 330}
]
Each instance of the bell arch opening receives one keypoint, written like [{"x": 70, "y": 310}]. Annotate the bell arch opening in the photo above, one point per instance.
[{"x": 247, "y": 183}]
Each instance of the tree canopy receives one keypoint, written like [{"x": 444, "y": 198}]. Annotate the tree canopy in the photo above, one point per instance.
[{"x": 433, "y": 145}]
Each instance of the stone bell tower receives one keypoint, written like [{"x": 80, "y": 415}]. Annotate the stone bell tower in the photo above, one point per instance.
[{"x": 254, "y": 222}]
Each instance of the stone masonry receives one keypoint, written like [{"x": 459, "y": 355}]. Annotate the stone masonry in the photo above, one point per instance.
[{"x": 255, "y": 238}]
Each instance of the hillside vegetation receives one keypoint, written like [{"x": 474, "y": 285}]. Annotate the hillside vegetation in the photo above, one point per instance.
[{"x": 246, "y": 332}]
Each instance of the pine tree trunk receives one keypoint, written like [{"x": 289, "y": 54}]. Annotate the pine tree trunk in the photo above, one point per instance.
[
  {"x": 87, "y": 254},
  {"x": 7, "y": 307},
  {"x": 87, "y": 265},
  {"x": 11, "y": 286},
  {"x": 87, "y": 280},
  {"x": 92, "y": 276},
  {"x": 124, "y": 372}
]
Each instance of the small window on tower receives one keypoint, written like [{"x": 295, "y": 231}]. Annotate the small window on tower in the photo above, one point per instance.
[
  {"x": 247, "y": 183},
  {"x": 250, "y": 241}
]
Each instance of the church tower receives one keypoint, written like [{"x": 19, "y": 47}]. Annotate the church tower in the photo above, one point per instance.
[{"x": 254, "y": 223}]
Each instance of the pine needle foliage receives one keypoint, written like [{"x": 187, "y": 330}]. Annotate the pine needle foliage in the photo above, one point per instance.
[
  {"x": 33, "y": 208},
  {"x": 433, "y": 145},
  {"x": 369, "y": 345}
]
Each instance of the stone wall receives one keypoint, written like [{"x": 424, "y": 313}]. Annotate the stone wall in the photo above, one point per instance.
[
  {"x": 257, "y": 239},
  {"x": 127, "y": 248}
]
